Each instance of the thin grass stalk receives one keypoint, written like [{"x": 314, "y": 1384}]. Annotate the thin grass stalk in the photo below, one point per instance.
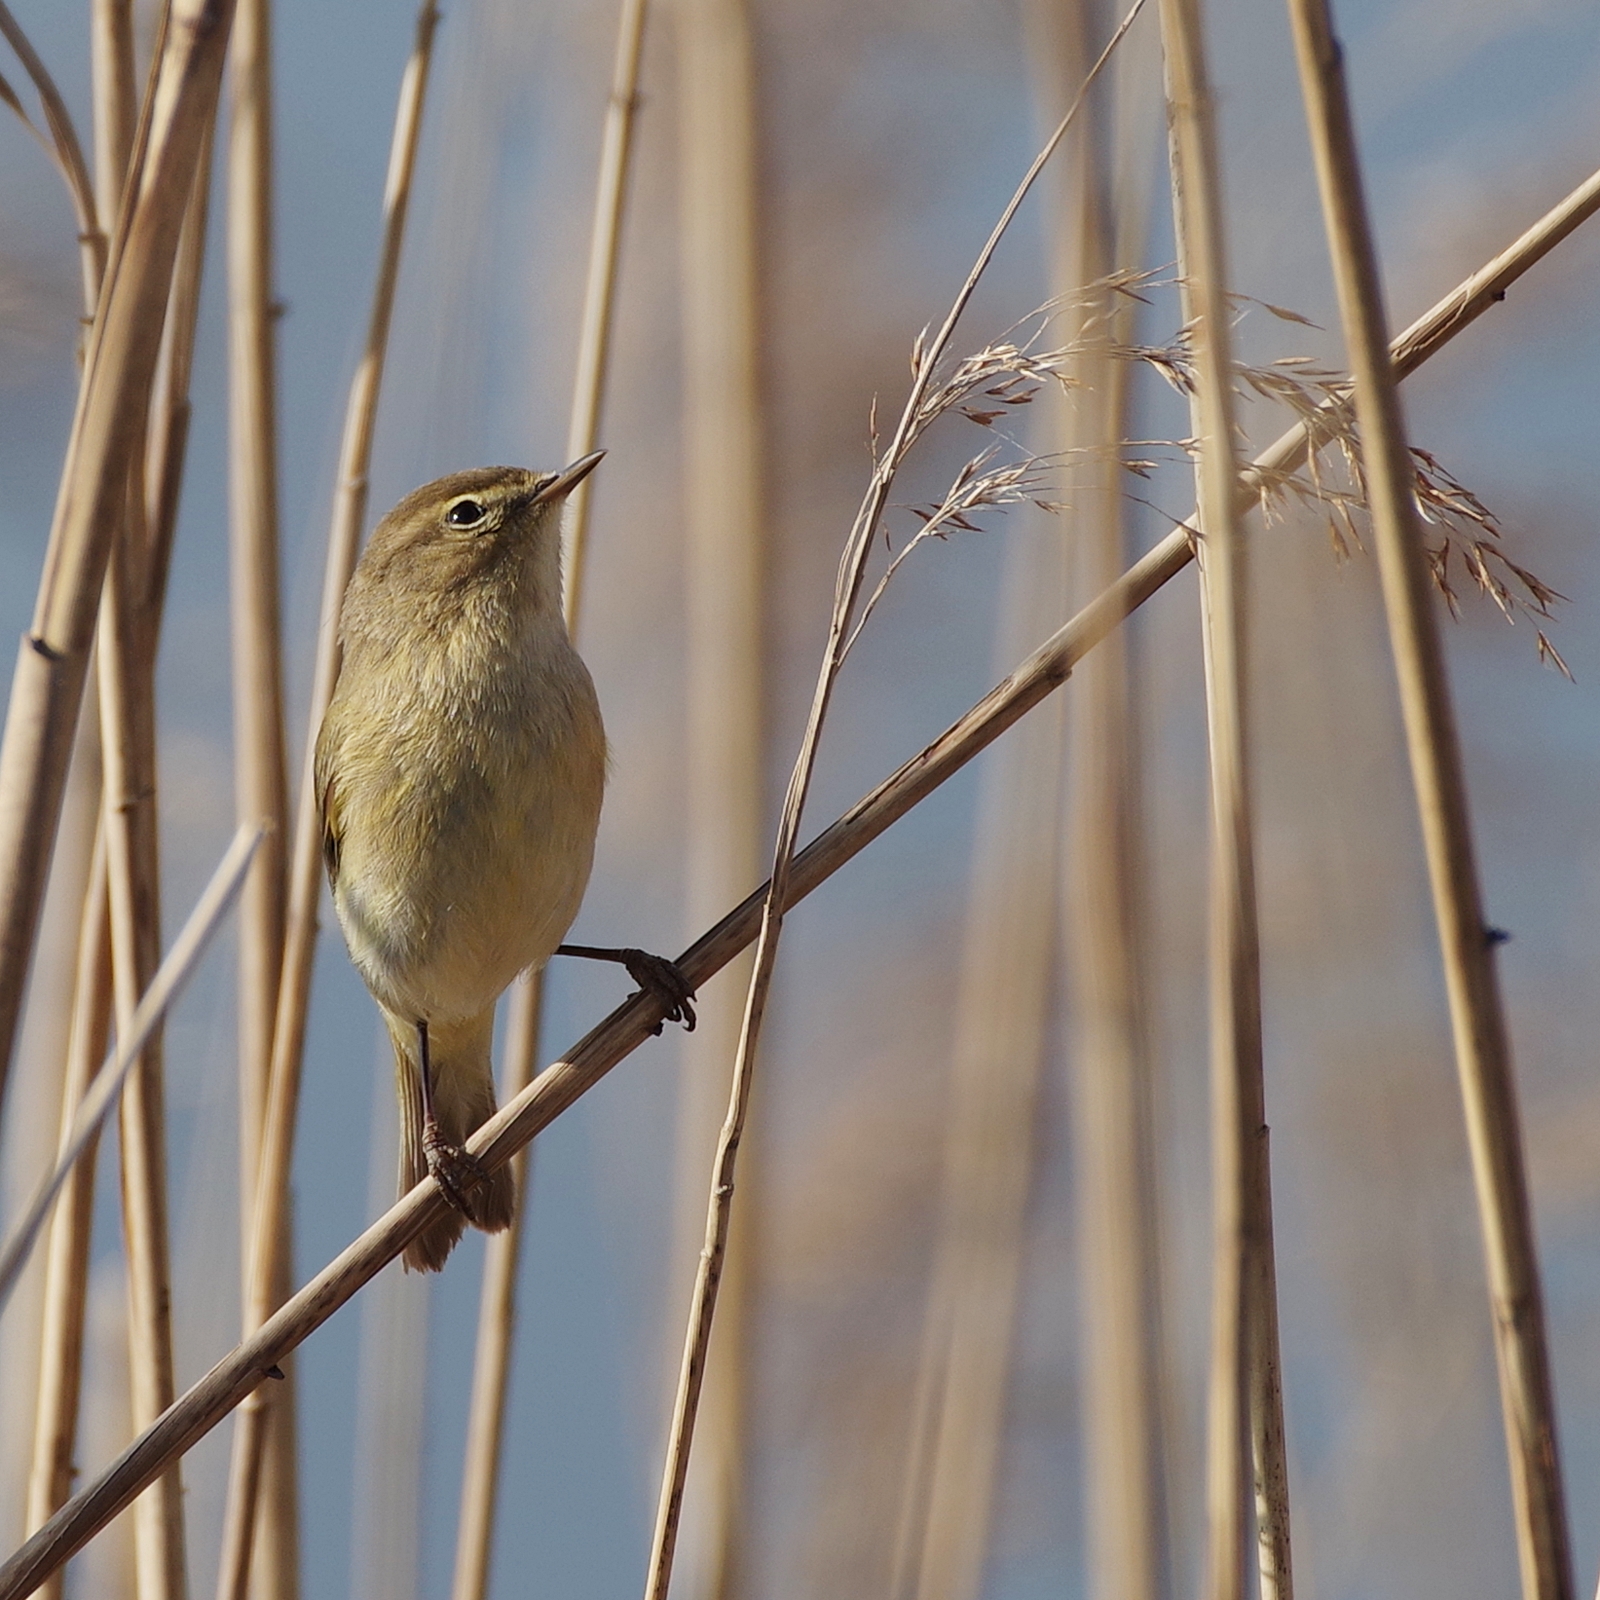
[
  {"x": 724, "y": 747},
  {"x": 567, "y": 1080},
  {"x": 600, "y": 287},
  {"x": 108, "y": 428},
  {"x": 852, "y": 573},
  {"x": 1101, "y": 223},
  {"x": 497, "y": 1295},
  {"x": 127, "y": 662},
  {"x": 267, "y": 1257},
  {"x": 68, "y": 153},
  {"x": 1236, "y": 1094},
  {"x": 261, "y": 784},
  {"x": 1482, "y": 1043},
  {"x": 67, "y": 1263},
  {"x": 106, "y": 1088}
]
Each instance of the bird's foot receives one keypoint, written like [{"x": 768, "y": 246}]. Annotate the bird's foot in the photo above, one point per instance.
[
  {"x": 665, "y": 983},
  {"x": 461, "y": 1176}
]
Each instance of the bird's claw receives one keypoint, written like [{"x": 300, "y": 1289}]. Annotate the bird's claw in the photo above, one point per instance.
[
  {"x": 458, "y": 1172},
  {"x": 665, "y": 983}
]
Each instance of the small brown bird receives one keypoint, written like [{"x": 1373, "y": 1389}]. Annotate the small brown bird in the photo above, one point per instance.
[{"x": 459, "y": 769}]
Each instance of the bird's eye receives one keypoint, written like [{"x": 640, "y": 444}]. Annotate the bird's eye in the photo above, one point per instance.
[{"x": 466, "y": 514}]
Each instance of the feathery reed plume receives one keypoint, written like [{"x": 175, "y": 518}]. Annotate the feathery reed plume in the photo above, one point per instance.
[
  {"x": 1482, "y": 1042},
  {"x": 567, "y": 1080},
  {"x": 1243, "y": 1404},
  {"x": 107, "y": 431},
  {"x": 266, "y": 1259}
]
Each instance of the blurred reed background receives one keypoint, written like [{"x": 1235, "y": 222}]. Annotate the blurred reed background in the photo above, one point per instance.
[{"x": 965, "y": 1332}]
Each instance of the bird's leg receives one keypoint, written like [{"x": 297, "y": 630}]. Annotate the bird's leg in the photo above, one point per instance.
[
  {"x": 656, "y": 976},
  {"x": 457, "y": 1172}
]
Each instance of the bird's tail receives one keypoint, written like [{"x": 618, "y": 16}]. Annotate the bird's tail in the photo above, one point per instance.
[{"x": 463, "y": 1100}]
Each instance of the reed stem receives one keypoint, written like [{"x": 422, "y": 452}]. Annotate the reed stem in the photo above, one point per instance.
[{"x": 1482, "y": 1042}]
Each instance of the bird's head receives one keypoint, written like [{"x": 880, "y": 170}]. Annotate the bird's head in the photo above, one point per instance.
[{"x": 490, "y": 532}]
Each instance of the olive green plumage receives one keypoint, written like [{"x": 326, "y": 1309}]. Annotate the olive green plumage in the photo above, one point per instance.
[{"x": 459, "y": 770}]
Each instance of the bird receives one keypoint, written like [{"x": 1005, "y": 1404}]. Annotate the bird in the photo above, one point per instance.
[{"x": 459, "y": 773}]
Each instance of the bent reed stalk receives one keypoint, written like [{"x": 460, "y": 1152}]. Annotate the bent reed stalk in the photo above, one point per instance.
[{"x": 252, "y": 1362}]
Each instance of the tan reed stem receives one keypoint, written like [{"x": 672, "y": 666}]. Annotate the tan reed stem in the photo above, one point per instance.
[
  {"x": 600, "y": 286},
  {"x": 267, "y": 1256},
  {"x": 1105, "y": 201},
  {"x": 260, "y": 758},
  {"x": 68, "y": 153},
  {"x": 497, "y": 1295},
  {"x": 724, "y": 749},
  {"x": 1482, "y": 1043},
  {"x": 1236, "y": 1069},
  {"x": 66, "y": 1285},
  {"x": 562, "y": 1084},
  {"x": 67, "y": 1265},
  {"x": 107, "y": 431}
]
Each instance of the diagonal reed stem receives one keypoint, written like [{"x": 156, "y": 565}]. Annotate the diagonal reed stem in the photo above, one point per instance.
[
  {"x": 1477, "y": 1016},
  {"x": 233, "y": 1378}
]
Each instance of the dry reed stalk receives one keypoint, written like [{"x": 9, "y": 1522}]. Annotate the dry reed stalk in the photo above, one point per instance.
[
  {"x": 926, "y": 363},
  {"x": 1237, "y": 1186},
  {"x": 108, "y": 429},
  {"x": 724, "y": 516},
  {"x": 66, "y": 1287},
  {"x": 1482, "y": 1043},
  {"x": 260, "y": 757},
  {"x": 106, "y": 1087},
  {"x": 68, "y": 153},
  {"x": 267, "y": 1261},
  {"x": 600, "y": 287},
  {"x": 1101, "y": 222},
  {"x": 233, "y": 1378},
  {"x": 497, "y": 1294},
  {"x": 129, "y": 633}
]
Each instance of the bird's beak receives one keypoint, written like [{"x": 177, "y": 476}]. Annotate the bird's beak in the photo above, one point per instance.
[{"x": 566, "y": 481}]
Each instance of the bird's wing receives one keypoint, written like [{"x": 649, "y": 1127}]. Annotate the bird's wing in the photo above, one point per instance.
[{"x": 328, "y": 805}]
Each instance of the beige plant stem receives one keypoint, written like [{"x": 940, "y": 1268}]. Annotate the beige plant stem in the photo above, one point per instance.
[
  {"x": 107, "y": 430},
  {"x": 725, "y": 519},
  {"x": 68, "y": 153},
  {"x": 1237, "y": 1190},
  {"x": 600, "y": 287},
  {"x": 260, "y": 758},
  {"x": 852, "y": 571},
  {"x": 497, "y": 1295},
  {"x": 266, "y": 1256},
  {"x": 561, "y": 1085},
  {"x": 1482, "y": 1043},
  {"x": 55, "y": 1428}
]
